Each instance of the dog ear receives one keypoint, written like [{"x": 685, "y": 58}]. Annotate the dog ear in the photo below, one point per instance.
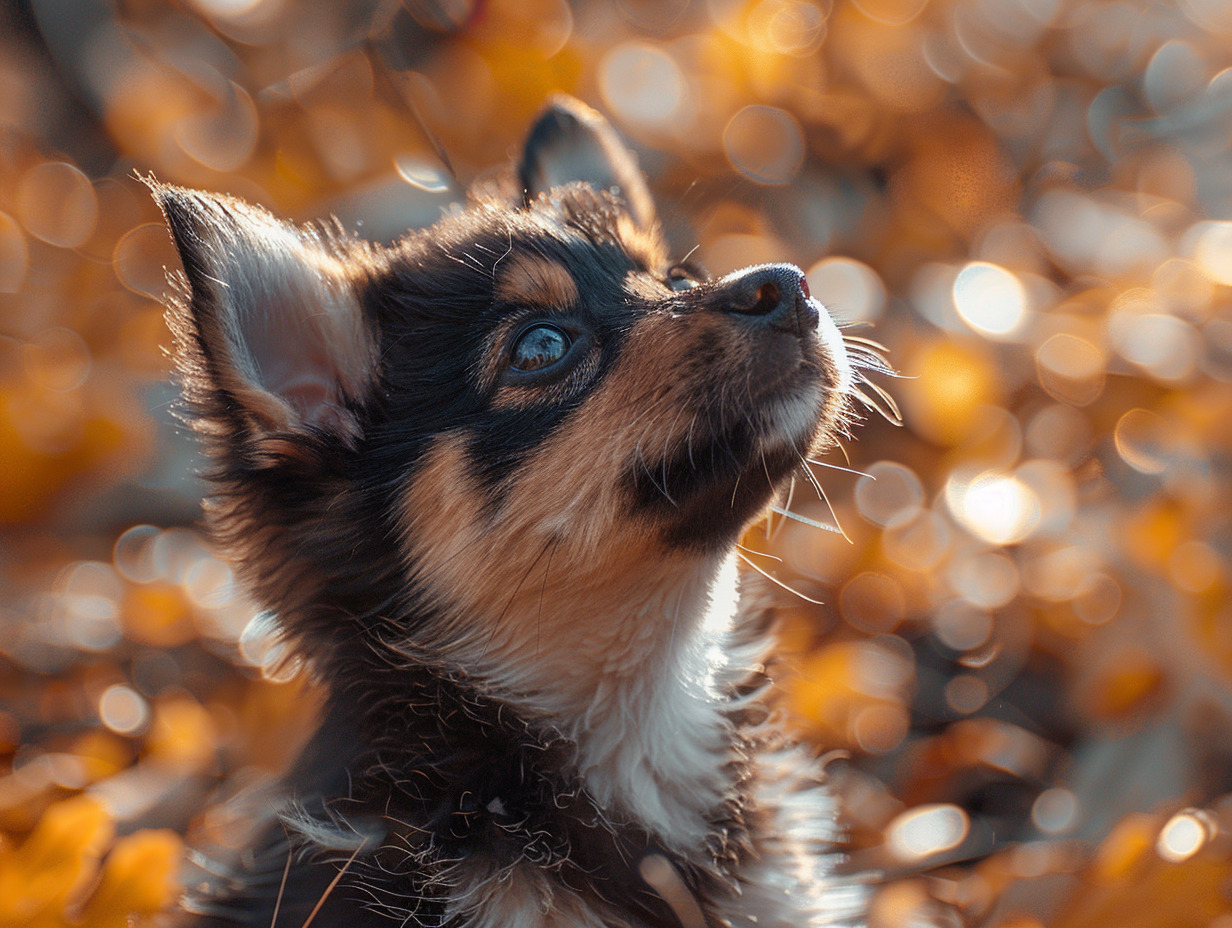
[
  {"x": 570, "y": 142},
  {"x": 271, "y": 336}
]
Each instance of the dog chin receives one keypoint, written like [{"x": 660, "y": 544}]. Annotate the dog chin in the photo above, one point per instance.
[
  {"x": 806, "y": 403},
  {"x": 798, "y": 421}
]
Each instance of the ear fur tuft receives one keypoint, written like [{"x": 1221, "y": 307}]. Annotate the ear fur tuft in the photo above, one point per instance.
[{"x": 272, "y": 323}]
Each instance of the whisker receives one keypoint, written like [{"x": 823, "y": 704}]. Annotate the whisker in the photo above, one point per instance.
[
  {"x": 332, "y": 883},
  {"x": 662, "y": 488},
  {"x": 861, "y": 340},
  {"x": 885, "y": 395},
  {"x": 825, "y": 499},
  {"x": 282, "y": 886},
  {"x": 845, "y": 470},
  {"x": 508, "y": 251},
  {"x": 766, "y": 469},
  {"x": 891, "y": 415},
  {"x": 866, "y": 354},
  {"x": 777, "y": 582},
  {"x": 795, "y": 516},
  {"x": 865, "y": 360},
  {"x": 791, "y": 492},
  {"x": 542, "y": 587},
  {"x": 550, "y": 543},
  {"x": 760, "y": 553},
  {"x": 862, "y": 365}
]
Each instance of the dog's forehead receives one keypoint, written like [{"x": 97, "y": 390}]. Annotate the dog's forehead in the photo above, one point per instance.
[
  {"x": 564, "y": 246},
  {"x": 601, "y": 218}
]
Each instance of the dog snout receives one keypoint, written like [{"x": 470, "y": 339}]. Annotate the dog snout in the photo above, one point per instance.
[{"x": 775, "y": 295}]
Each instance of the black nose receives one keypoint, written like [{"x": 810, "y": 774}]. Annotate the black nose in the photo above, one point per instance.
[{"x": 775, "y": 295}]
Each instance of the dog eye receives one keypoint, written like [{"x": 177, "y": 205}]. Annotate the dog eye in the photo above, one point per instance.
[
  {"x": 540, "y": 346},
  {"x": 680, "y": 278}
]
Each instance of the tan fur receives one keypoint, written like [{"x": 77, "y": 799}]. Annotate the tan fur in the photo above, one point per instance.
[
  {"x": 564, "y": 536},
  {"x": 534, "y": 281},
  {"x": 642, "y": 243},
  {"x": 548, "y": 582}
]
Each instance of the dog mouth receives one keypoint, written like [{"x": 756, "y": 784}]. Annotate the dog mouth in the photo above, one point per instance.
[
  {"x": 778, "y": 394},
  {"x": 800, "y": 380}
]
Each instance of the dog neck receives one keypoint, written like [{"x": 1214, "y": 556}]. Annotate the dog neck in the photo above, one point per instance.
[
  {"x": 653, "y": 738},
  {"x": 636, "y": 675},
  {"x": 498, "y": 788}
]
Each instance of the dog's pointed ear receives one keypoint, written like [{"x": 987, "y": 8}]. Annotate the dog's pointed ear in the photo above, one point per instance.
[
  {"x": 570, "y": 142},
  {"x": 271, "y": 336}
]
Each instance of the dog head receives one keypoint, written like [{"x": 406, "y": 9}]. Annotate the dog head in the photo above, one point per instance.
[{"x": 502, "y": 427}]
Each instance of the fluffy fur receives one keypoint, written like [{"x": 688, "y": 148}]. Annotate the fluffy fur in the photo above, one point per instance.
[{"x": 491, "y": 480}]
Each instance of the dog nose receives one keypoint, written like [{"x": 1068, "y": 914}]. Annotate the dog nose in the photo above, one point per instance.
[{"x": 775, "y": 295}]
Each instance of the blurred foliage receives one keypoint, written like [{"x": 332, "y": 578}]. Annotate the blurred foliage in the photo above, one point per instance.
[{"x": 1025, "y": 648}]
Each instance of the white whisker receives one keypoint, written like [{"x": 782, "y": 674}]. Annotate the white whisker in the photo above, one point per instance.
[
  {"x": 825, "y": 499},
  {"x": 846, "y": 470},
  {"x": 891, "y": 415},
  {"x": 796, "y": 517},
  {"x": 791, "y": 492},
  {"x": 777, "y": 582},
  {"x": 760, "y": 553},
  {"x": 861, "y": 340}
]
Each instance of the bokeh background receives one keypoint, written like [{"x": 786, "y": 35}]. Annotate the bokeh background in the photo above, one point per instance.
[{"x": 1021, "y": 661}]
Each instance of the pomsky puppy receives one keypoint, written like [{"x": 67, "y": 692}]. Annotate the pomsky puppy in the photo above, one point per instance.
[{"x": 491, "y": 481}]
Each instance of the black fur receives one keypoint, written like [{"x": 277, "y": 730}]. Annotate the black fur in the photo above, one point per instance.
[
  {"x": 434, "y": 316},
  {"x": 452, "y": 775}
]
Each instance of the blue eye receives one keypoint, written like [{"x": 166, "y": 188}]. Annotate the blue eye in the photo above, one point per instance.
[{"x": 539, "y": 347}]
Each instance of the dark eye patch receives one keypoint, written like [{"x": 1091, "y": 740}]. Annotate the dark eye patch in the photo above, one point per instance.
[{"x": 476, "y": 350}]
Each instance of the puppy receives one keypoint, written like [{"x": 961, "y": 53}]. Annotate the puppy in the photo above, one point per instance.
[{"x": 491, "y": 481}]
